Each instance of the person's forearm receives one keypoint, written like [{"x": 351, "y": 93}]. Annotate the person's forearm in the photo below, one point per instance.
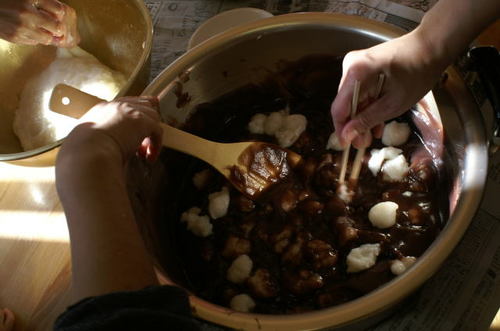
[
  {"x": 108, "y": 253},
  {"x": 451, "y": 25}
]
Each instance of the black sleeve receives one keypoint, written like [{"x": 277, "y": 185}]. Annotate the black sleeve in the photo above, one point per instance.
[{"x": 153, "y": 308}]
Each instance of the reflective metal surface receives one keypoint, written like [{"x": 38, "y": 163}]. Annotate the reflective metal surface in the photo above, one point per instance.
[
  {"x": 118, "y": 32},
  {"x": 245, "y": 54}
]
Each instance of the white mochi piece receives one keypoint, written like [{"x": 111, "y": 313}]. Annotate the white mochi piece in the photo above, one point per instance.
[
  {"x": 257, "y": 123},
  {"x": 383, "y": 214},
  {"x": 218, "y": 203},
  {"x": 242, "y": 303},
  {"x": 391, "y": 152},
  {"x": 362, "y": 257},
  {"x": 334, "y": 143},
  {"x": 199, "y": 225},
  {"x": 344, "y": 193},
  {"x": 398, "y": 267},
  {"x": 396, "y": 169},
  {"x": 378, "y": 156},
  {"x": 274, "y": 122},
  {"x": 34, "y": 123},
  {"x": 376, "y": 160},
  {"x": 240, "y": 269},
  {"x": 395, "y": 133},
  {"x": 293, "y": 126}
]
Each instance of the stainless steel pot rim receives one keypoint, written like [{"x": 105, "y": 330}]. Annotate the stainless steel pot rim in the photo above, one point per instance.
[{"x": 394, "y": 291}]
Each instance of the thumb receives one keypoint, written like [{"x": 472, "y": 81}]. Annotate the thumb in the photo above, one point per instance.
[{"x": 363, "y": 122}]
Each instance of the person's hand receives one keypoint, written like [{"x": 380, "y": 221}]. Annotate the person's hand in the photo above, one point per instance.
[
  {"x": 411, "y": 68},
  {"x": 107, "y": 251},
  {"x": 33, "y": 22},
  {"x": 111, "y": 132}
]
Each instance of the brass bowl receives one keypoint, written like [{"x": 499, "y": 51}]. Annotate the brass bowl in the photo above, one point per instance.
[
  {"x": 246, "y": 54},
  {"x": 118, "y": 32}
]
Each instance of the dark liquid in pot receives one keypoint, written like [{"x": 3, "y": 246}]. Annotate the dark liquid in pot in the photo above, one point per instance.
[{"x": 299, "y": 233}]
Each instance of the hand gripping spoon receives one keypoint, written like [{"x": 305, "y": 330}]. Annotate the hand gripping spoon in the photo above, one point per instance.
[{"x": 252, "y": 167}]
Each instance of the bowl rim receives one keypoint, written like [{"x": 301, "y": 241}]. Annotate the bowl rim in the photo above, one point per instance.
[
  {"x": 148, "y": 44},
  {"x": 475, "y": 161}
]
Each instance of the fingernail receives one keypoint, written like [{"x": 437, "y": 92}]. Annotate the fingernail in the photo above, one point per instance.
[{"x": 152, "y": 100}]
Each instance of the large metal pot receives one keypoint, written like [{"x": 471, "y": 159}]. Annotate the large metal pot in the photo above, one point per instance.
[
  {"x": 262, "y": 44},
  {"x": 118, "y": 32}
]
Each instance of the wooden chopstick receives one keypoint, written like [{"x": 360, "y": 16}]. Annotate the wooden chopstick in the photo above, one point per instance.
[
  {"x": 345, "y": 154},
  {"x": 358, "y": 160}
]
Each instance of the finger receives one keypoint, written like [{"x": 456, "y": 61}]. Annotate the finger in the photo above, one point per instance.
[
  {"x": 378, "y": 131},
  {"x": 142, "y": 151},
  {"x": 156, "y": 143},
  {"x": 375, "y": 114},
  {"x": 341, "y": 108},
  {"x": 155, "y": 102},
  {"x": 37, "y": 36},
  {"x": 148, "y": 111},
  {"x": 49, "y": 23},
  {"x": 139, "y": 104},
  {"x": 142, "y": 98},
  {"x": 362, "y": 141},
  {"x": 71, "y": 37},
  {"x": 22, "y": 40},
  {"x": 8, "y": 319},
  {"x": 152, "y": 151},
  {"x": 53, "y": 8},
  {"x": 151, "y": 145}
]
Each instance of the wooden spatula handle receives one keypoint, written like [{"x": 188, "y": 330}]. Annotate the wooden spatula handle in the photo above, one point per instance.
[
  {"x": 71, "y": 102},
  {"x": 80, "y": 102}
]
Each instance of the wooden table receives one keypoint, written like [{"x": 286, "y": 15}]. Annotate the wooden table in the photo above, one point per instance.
[
  {"x": 34, "y": 247},
  {"x": 35, "y": 264}
]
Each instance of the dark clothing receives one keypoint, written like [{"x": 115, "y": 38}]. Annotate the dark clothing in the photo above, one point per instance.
[{"x": 153, "y": 308}]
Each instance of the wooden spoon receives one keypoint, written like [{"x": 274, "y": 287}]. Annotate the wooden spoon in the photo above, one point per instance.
[{"x": 252, "y": 167}]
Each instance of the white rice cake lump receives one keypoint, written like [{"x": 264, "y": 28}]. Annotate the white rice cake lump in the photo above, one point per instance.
[
  {"x": 399, "y": 267},
  {"x": 242, "y": 303},
  {"x": 285, "y": 128},
  {"x": 292, "y": 128},
  {"x": 274, "y": 122},
  {"x": 34, "y": 124},
  {"x": 218, "y": 203},
  {"x": 396, "y": 169},
  {"x": 395, "y": 133},
  {"x": 383, "y": 214},
  {"x": 344, "y": 193},
  {"x": 378, "y": 156},
  {"x": 199, "y": 225},
  {"x": 334, "y": 143},
  {"x": 256, "y": 125},
  {"x": 240, "y": 269},
  {"x": 362, "y": 257}
]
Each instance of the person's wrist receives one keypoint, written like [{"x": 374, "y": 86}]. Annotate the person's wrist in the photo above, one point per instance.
[
  {"x": 99, "y": 161},
  {"x": 429, "y": 51}
]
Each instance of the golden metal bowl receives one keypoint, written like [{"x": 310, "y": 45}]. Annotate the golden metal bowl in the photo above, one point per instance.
[{"x": 118, "y": 32}]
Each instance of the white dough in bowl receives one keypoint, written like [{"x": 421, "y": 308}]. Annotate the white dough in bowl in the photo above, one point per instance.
[{"x": 34, "y": 124}]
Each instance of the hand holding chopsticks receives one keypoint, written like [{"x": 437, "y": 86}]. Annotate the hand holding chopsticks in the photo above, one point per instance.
[{"x": 358, "y": 160}]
